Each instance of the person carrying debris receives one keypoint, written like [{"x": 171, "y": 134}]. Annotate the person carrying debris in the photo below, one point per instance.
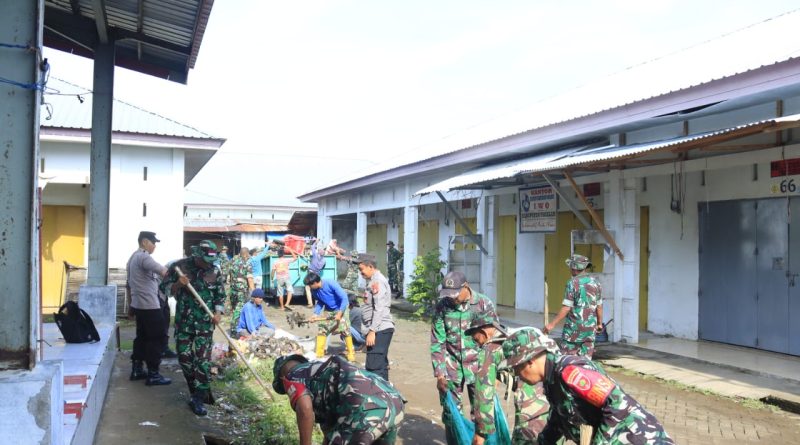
[
  {"x": 454, "y": 354},
  {"x": 530, "y": 405},
  {"x": 253, "y": 321},
  {"x": 351, "y": 405},
  {"x": 350, "y": 283},
  {"x": 280, "y": 275},
  {"x": 579, "y": 392},
  {"x": 582, "y": 307},
  {"x": 331, "y": 311},
  {"x": 193, "y": 327},
  {"x": 240, "y": 273}
]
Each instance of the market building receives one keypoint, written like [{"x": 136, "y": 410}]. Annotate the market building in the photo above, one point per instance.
[{"x": 689, "y": 168}]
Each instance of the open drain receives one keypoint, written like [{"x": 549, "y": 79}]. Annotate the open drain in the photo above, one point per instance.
[{"x": 209, "y": 439}]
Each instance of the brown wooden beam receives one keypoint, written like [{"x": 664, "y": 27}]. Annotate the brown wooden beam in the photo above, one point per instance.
[{"x": 595, "y": 217}]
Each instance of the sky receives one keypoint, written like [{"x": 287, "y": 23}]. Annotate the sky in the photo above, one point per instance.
[{"x": 308, "y": 93}]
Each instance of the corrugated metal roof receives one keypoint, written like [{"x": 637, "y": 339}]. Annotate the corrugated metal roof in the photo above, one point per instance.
[
  {"x": 734, "y": 53},
  {"x": 161, "y": 38},
  {"x": 69, "y": 112},
  {"x": 586, "y": 156},
  {"x": 239, "y": 228}
]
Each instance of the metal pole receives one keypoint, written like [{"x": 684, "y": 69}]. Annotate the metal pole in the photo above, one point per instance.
[
  {"x": 595, "y": 218},
  {"x": 227, "y": 337},
  {"x": 567, "y": 202},
  {"x": 100, "y": 164},
  {"x": 463, "y": 225}
]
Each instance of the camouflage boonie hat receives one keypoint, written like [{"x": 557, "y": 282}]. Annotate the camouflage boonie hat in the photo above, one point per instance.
[
  {"x": 207, "y": 250},
  {"x": 577, "y": 262},
  {"x": 353, "y": 254},
  {"x": 277, "y": 383},
  {"x": 488, "y": 318},
  {"x": 526, "y": 344}
]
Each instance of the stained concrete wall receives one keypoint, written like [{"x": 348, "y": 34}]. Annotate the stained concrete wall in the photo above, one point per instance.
[{"x": 31, "y": 405}]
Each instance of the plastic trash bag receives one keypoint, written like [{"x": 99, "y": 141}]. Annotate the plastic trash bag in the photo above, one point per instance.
[{"x": 463, "y": 428}]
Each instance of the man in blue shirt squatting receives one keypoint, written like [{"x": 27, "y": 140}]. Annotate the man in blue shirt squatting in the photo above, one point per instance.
[
  {"x": 255, "y": 260},
  {"x": 253, "y": 321},
  {"x": 331, "y": 311}
]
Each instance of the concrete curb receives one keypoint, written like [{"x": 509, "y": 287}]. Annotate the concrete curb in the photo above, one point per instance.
[{"x": 785, "y": 400}]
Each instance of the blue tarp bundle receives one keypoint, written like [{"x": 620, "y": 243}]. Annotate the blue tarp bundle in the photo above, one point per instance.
[{"x": 464, "y": 429}]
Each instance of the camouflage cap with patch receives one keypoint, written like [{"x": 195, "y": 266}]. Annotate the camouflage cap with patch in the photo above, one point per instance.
[
  {"x": 577, "y": 262},
  {"x": 526, "y": 344},
  {"x": 207, "y": 250},
  {"x": 488, "y": 318}
]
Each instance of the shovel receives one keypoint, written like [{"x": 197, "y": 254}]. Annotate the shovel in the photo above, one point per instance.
[{"x": 602, "y": 336}]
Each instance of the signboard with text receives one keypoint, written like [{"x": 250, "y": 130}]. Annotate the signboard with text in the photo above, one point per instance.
[{"x": 538, "y": 209}]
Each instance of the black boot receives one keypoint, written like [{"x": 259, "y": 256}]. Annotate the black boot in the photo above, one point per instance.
[
  {"x": 138, "y": 372},
  {"x": 196, "y": 404},
  {"x": 156, "y": 379},
  {"x": 168, "y": 353}
]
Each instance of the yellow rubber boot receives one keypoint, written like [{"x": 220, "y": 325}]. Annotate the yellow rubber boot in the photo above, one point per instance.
[
  {"x": 321, "y": 340},
  {"x": 351, "y": 351}
]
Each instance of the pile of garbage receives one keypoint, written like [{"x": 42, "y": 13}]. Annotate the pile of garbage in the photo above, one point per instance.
[{"x": 260, "y": 347}]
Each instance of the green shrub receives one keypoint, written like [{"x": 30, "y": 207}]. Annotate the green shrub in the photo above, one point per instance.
[{"x": 425, "y": 282}]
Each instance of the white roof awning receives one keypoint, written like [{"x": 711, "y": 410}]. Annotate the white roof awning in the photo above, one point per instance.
[{"x": 582, "y": 156}]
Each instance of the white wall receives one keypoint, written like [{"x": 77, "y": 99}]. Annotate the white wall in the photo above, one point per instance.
[
  {"x": 674, "y": 238},
  {"x": 252, "y": 240},
  {"x": 202, "y": 213},
  {"x": 162, "y": 192}
]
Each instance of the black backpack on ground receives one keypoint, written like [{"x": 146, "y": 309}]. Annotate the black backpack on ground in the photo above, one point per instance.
[{"x": 75, "y": 324}]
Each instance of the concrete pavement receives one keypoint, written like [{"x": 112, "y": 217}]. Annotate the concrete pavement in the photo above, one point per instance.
[{"x": 718, "y": 368}]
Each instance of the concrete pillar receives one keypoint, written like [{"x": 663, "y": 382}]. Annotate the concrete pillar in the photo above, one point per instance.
[
  {"x": 622, "y": 218},
  {"x": 487, "y": 220},
  {"x": 410, "y": 242},
  {"x": 324, "y": 223},
  {"x": 100, "y": 164},
  {"x": 361, "y": 232},
  {"x": 20, "y": 24}
]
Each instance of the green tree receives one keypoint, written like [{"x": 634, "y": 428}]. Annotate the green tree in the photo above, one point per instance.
[{"x": 425, "y": 281}]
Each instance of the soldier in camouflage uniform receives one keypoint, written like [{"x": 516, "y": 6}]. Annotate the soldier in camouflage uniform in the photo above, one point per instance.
[
  {"x": 530, "y": 405},
  {"x": 392, "y": 256},
  {"x": 350, "y": 283},
  {"x": 401, "y": 276},
  {"x": 483, "y": 329},
  {"x": 240, "y": 275},
  {"x": 454, "y": 354},
  {"x": 583, "y": 309},
  {"x": 531, "y": 410},
  {"x": 351, "y": 405},
  {"x": 580, "y": 392},
  {"x": 193, "y": 326}
]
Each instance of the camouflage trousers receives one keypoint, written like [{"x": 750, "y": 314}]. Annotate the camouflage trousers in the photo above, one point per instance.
[
  {"x": 238, "y": 298},
  {"x": 330, "y": 326},
  {"x": 531, "y": 411},
  {"x": 583, "y": 348},
  {"x": 365, "y": 419},
  {"x": 392, "y": 277},
  {"x": 194, "y": 356},
  {"x": 456, "y": 391}
]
